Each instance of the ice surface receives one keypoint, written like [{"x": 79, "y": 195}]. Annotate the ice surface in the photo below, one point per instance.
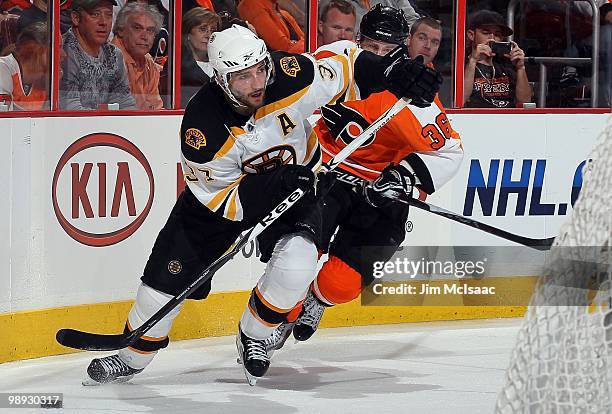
[{"x": 440, "y": 367}]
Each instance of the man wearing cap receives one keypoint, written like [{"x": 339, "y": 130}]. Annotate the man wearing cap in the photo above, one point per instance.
[
  {"x": 493, "y": 80},
  {"x": 94, "y": 72}
]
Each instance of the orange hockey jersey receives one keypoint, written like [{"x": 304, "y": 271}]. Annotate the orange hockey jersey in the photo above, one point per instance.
[{"x": 421, "y": 139}]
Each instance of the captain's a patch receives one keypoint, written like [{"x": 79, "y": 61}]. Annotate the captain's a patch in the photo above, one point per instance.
[{"x": 290, "y": 66}]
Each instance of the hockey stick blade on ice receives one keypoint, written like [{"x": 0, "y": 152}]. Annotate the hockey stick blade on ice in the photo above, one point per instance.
[
  {"x": 102, "y": 342},
  {"x": 538, "y": 244}
]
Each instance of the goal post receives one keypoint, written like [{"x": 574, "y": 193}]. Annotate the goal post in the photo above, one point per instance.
[{"x": 562, "y": 359}]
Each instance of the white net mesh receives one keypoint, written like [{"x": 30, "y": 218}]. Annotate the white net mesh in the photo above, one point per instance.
[{"x": 562, "y": 361}]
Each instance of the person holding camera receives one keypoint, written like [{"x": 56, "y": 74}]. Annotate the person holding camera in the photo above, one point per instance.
[{"x": 495, "y": 75}]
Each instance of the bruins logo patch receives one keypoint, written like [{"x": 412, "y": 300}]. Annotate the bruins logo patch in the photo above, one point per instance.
[
  {"x": 175, "y": 267},
  {"x": 290, "y": 65},
  {"x": 270, "y": 160},
  {"x": 195, "y": 138}
]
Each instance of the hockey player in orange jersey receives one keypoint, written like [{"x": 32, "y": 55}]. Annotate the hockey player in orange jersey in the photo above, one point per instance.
[{"x": 415, "y": 153}]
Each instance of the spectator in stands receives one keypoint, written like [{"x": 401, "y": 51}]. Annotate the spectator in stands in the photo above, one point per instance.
[
  {"x": 8, "y": 31},
  {"x": 94, "y": 73},
  {"x": 490, "y": 80},
  {"x": 24, "y": 74},
  {"x": 336, "y": 22},
  {"x": 37, "y": 12},
  {"x": 425, "y": 39},
  {"x": 135, "y": 29},
  {"x": 159, "y": 50},
  {"x": 273, "y": 24},
  {"x": 297, "y": 10},
  {"x": 198, "y": 25},
  {"x": 362, "y": 7}
]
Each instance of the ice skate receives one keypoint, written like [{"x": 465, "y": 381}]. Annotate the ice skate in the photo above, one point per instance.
[
  {"x": 110, "y": 369},
  {"x": 253, "y": 356},
  {"x": 277, "y": 340},
  {"x": 308, "y": 321}
]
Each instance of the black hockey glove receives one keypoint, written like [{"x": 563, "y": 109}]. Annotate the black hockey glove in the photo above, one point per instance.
[
  {"x": 325, "y": 181},
  {"x": 393, "y": 181},
  {"x": 343, "y": 122},
  {"x": 296, "y": 176},
  {"x": 410, "y": 78}
]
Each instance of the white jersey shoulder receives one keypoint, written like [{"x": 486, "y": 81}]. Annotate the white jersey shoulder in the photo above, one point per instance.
[{"x": 338, "y": 47}]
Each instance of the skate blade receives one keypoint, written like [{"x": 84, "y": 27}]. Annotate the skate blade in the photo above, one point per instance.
[
  {"x": 88, "y": 382},
  {"x": 252, "y": 380}
]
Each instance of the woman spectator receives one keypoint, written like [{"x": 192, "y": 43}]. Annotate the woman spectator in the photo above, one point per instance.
[
  {"x": 24, "y": 74},
  {"x": 198, "y": 25}
]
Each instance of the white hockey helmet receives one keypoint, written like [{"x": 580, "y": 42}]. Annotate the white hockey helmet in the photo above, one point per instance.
[{"x": 234, "y": 49}]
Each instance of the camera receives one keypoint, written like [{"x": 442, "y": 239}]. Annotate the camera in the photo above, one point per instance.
[{"x": 501, "y": 48}]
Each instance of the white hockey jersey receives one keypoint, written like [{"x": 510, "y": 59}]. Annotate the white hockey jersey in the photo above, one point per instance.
[{"x": 219, "y": 147}]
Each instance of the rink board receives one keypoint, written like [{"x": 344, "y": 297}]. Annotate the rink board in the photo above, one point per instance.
[{"x": 84, "y": 198}]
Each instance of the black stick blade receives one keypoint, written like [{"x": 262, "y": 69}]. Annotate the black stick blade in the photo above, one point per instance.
[{"x": 90, "y": 341}]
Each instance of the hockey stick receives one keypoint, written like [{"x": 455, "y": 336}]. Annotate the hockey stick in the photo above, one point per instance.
[
  {"x": 101, "y": 342},
  {"x": 538, "y": 244}
]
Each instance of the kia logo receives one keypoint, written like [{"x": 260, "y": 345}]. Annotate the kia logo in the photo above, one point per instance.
[{"x": 102, "y": 189}]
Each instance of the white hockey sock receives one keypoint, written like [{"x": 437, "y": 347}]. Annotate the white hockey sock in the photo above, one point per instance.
[
  {"x": 148, "y": 301},
  {"x": 290, "y": 271},
  {"x": 253, "y": 327}
]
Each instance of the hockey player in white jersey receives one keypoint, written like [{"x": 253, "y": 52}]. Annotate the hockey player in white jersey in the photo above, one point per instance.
[{"x": 245, "y": 146}]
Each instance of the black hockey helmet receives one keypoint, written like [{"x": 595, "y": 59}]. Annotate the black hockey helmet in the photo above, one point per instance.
[{"x": 386, "y": 24}]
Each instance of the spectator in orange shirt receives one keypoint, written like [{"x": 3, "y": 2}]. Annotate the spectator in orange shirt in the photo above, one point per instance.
[
  {"x": 24, "y": 74},
  {"x": 274, "y": 25},
  {"x": 336, "y": 22},
  {"x": 135, "y": 29}
]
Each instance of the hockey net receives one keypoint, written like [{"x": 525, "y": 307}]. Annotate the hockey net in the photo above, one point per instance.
[{"x": 562, "y": 360}]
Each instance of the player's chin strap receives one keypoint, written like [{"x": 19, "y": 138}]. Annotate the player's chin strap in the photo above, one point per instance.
[
  {"x": 100, "y": 342},
  {"x": 538, "y": 244}
]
